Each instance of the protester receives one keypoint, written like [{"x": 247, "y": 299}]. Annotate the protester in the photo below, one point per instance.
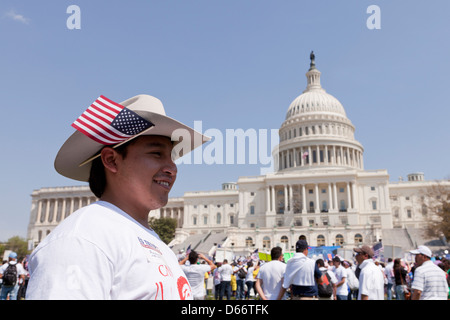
[
  {"x": 341, "y": 275},
  {"x": 225, "y": 272},
  {"x": 12, "y": 275},
  {"x": 429, "y": 280},
  {"x": 217, "y": 280},
  {"x": 352, "y": 280},
  {"x": 302, "y": 275},
  {"x": 250, "y": 280},
  {"x": 328, "y": 284},
  {"x": 107, "y": 250},
  {"x": 400, "y": 274},
  {"x": 195, "y": 273},
  {"x": 371, "y": 278},
  {"x": 240, "y": 272},
  {"x": 389, "y": 274},
  {"x": 270, "y": 276}
]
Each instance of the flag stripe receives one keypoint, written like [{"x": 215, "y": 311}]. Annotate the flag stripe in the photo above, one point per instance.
[
  {"x": 108, "y": 131},
  {"x": 99, "y": 134},
  {"x": 104, "y": 123},
  {"x": 89, "y": 133}
]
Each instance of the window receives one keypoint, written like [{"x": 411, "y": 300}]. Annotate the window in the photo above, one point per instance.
[
  {"x": 374, "y": 205},
  {"x": 324, "y": 206},
  {"x": 320, "y": 240},
  {"x": 311, "y": 191},
  {"x": 194, "y": 221},
  {"x": 409, "y": 213},
  {"x": 285, "y": 241},
  {"x": 341, "y": 190},
  {"x": 249, "y": 242},
  {"x": 342, "y": 206},
  {"x": 252, "y": 209},
  {"x": 205, "y": 220},
  {"x": 311, "y": 206},
  {"x": 372, "y": 188},
  {"x": 218, "y": 218},
  {"x": 358, "y": 239},
  {"x": 266, "y": 242},
  {"x": 339, "y": 240},
  {"x": 231, "y": 219},
  {"x": 324, "y": 190}
]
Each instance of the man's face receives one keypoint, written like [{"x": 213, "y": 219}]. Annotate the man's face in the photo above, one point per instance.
[
  {"x": 419, "y": 258},
  {"x": 360, "y": 257},
  {"x": 147, "y": 173}
]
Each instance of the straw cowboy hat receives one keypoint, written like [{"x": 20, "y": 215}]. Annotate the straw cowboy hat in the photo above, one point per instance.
[{"x": 107, "y": 123}]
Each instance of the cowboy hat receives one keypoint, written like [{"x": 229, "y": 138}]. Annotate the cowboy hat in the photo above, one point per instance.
[{"x": 145, "y": 115}]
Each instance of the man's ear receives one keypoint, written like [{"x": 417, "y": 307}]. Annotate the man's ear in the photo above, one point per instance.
[{"x": 109, "y": 159}]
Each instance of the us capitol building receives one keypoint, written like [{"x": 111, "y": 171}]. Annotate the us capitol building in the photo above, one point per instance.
[{"x": 319, "y": 189}]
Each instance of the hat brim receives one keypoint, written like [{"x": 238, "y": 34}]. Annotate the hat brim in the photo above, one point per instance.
[{"x": 74, "y": 159}]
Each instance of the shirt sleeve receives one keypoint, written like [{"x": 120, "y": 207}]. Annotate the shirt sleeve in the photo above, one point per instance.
[
  {"x": 70, "y": 269},
  {"x": 418, "y": 281}
]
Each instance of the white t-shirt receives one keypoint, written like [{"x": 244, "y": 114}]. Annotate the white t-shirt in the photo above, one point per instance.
[
  {"x": 341, "y": 273},
  {"x": 100, "y": 252},
  {"x": 371, "y": 281},
  {"x": 271, "y": 274},
  {"x": 196, "y": 276},
  {"x": 225, "y": 272}
]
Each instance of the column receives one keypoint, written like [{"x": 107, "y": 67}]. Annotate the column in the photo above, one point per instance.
[
  {"x": 349, "y": 199},
  {"x": 295, "y": 157},
  {"x": 330, "y": 198},
  {"x": 273, "y": 199},
  {"x": 334, "y": 156},
  {"x": 302, "y": 161},
  {"x": 336, "y": 205},
  {"x": 303, "y": 199},
  {"x": 291, "y": 207},
  {"x": 355, "y": 197},
  {"x": 318, "y": 155},
  {"x": 39, "y": 212},
  {"x": 268, "y": 199},
  {"x": 309, "y": 156},
  {"x": 285, "y": 199},
  {"x": 325, "y": 156}
]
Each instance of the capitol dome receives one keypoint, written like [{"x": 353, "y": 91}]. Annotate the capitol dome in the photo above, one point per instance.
[{"x": 316, "y": 133}]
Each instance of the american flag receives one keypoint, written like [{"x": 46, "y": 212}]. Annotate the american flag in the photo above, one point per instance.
[
  {"x": 305, "y": 154},
  {"x": 188, "y": 250},
  {"x": 108, "y": 122}
]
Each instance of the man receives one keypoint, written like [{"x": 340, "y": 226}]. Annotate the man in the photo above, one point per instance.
[
  {"x": 240, "y": 273},
  {"x": 389, "y": 274},
  {"x": 371, "y": 278},
  {"x": 342, "y": 276},
  {"x": 107, "y": 250},
  {"x": 12, "y": 275},
  {"x": 270, "y": 276},
  {"x": 225, "y": 271},
  {"x": 429, "y": 281},
  {"x": 302, "y": 275},
  {"x": 195, "y": 273}
]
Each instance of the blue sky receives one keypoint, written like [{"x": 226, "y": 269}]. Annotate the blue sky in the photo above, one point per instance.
[{"x": 231, "y": 64}]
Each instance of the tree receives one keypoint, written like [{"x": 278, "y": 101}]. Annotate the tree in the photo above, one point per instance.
[
  {"x": 164, "y": 227},
  {"x": 16, "y": 244},
  {"x": 436, "y": 209}
]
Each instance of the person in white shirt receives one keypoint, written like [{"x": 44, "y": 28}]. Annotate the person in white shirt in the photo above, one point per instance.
[
  {"x": 429, "y": 282},
  {"x": 107, "y": 250},
  {"x": 270, "y": 276},
  {"x": 341, "y": 275},
  {"x": 225, "y": 274},
  {"x": 12, "y": 288},
  {"x": 389, "y": 274},
  {"x": 371, "y": 278},
  {"x": 195, "y": 273}
]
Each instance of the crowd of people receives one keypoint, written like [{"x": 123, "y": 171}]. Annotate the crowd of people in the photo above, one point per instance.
[
  {"x": 303, "y": 278},
  {"x": 300, "y": 278}
]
